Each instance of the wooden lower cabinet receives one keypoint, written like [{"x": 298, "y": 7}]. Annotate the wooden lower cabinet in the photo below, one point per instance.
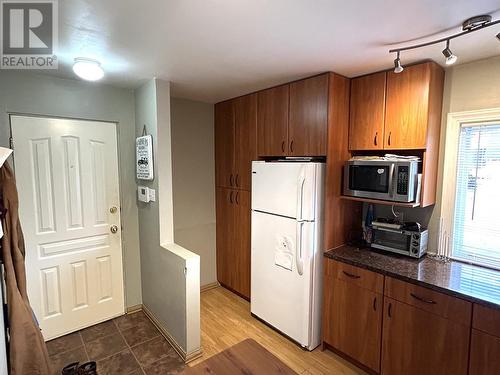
[
  {"x": 233, "y": 239},
  {"x": 415, "y": 341},
  {"x": 352, "y": 321},
  {"x": 484, "y": 354}
]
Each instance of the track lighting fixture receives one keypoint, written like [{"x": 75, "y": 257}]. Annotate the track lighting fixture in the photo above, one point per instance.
[
  {"x": 470, "y": 25},
  {"x": 450, "y": 57},
  {"x": 398, "y": 68}
]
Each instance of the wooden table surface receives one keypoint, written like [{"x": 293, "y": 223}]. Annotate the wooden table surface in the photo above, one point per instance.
[{"x": 246, "y": 357}]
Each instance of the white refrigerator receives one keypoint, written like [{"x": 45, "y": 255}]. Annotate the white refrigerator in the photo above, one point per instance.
[{"x": 287, "y": 215}]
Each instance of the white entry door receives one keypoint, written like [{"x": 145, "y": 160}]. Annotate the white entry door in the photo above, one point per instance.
[{"x": 67, "y": 179}]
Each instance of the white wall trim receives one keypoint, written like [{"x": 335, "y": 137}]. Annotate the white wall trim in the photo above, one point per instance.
[{"x": 453, "y": 124}]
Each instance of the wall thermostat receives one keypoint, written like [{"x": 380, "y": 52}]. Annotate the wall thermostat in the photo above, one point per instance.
[{"x": 145, "y": 194}]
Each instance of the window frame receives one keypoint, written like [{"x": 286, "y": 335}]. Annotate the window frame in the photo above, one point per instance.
[{"x": 454, "y": 122}]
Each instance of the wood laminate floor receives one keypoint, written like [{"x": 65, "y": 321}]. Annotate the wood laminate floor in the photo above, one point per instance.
[{"x": 226, "y": 321}]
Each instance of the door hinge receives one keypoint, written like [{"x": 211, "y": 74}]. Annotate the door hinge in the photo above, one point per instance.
[
  {"x": 185, "y": 270},
  {"x": 11, "y": 143}
]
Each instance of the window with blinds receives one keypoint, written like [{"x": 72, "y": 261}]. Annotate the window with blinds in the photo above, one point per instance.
[{"x": 476, "y": 225}]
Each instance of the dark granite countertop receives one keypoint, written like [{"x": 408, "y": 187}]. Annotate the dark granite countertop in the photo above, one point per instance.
[{"x": 472, "y": 283}]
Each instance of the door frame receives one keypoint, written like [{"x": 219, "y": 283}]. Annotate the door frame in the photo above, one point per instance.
[{"x": 117, "y": 129}]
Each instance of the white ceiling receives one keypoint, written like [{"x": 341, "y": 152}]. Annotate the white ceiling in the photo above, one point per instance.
[{"x": 216, "y": 49}]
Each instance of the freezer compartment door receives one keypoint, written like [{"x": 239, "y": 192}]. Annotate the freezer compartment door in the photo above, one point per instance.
[
  {"x": 285, "y": 188},
  {"x": 281, "y": 274}
]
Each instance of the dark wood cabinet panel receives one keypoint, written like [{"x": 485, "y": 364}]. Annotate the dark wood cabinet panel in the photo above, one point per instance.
[
  {"x": 308, "y": 122},
  {"x": 367, "y": 112},
  {"x": 357, "y": 276},
  {"x": 245, "y": 119},
  {"x": 353, "y": 321},
  {"x": 407, "y": 107},
  {"x": 233, "y": 239},
  {"x": 224, "y": 234},
  {"x": 272, "y": 121},
  {"x": 486, "y": 319},
  {"x": 241, "y": 262},
  {"x": 418, "y": 342},
  {"x": 224, "y": 144},
  {"x": 484, "y": 354},
  {"x": 448, "y": 307}
]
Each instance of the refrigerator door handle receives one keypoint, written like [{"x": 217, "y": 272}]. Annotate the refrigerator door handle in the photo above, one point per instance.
[
  {"x": 298, "y": 249},
  {"x": 300, "y": 197}
]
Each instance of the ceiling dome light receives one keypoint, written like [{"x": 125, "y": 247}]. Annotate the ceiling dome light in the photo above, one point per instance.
[
  {"x": 398, "y": 68},
  {"x": 450, "y": 57},
  {"x": 88, "y": 69}
]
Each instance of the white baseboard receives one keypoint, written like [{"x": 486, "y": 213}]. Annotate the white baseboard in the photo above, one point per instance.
[
  {"x": 206, "y": 287},
  {"x": 186, "y": 357}
]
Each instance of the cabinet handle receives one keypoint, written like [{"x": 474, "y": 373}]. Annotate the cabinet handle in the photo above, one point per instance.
[
  {"x": 375, "y": 139},
  {"x": 389, "y": 140},
  {"x": 429, "y": 301},
  {"x": 237, "y": 180},
  {"x": 291, "y": 146},
  {"x": 283, "y": 146},
  {"x": 231, "y": 198},
  {"x": 389, "y": 310},
  {"x": 351, "y": 275},
  {"x": 231, "y": 180},
  {"x": 375, "y": 304},
  {"x": 238, "y": 197}
]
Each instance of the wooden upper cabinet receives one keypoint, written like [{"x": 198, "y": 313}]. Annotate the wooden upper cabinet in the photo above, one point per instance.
[
  {"x": 367, "y": 112},
  {"x": 245, "y": 119},
  {"x": 308, "y": 121},
  {"x": 413, "y": 104},
  {"x": 272, "y": 121},
  {"x": 224, "y": 144}
]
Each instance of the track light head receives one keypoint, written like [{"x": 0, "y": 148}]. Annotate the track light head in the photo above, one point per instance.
[
  {"x": 450, "y": 57},
  {"x": 398, "y": 68}
]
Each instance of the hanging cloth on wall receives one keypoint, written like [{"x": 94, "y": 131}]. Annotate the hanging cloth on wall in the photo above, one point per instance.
[{"x": 27, "y": 350}]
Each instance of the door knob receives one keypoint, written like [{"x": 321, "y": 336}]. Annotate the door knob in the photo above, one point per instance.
[
  {"x": 113, "y": 209},
  {"x": 113, "y": 229}
]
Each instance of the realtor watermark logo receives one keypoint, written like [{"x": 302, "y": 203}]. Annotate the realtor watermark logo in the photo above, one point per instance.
[{"x": 28, "y": 34}]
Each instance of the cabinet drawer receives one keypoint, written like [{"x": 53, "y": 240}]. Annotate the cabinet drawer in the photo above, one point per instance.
[
  {"x": 486, "y": 319},
  {"x": 355, "y": 275},
  {"x": 426, "y": 299}
]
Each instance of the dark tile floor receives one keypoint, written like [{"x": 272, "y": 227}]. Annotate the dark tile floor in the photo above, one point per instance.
[{"x": 130, "y": 344}]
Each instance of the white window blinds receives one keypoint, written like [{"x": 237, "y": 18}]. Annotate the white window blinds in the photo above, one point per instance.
[{"x": 476, "y": 224}]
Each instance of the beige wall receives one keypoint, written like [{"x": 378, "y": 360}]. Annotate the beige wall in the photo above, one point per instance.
[
  {"x": 170, "y": 273},
  {"x": 194, "y": 180},
  {"x": 468, "y": 87},
  {"x": 30, "y": 93}
]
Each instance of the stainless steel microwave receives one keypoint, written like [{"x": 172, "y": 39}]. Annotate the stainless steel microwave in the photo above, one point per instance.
[{"x": 388, "y": 180}]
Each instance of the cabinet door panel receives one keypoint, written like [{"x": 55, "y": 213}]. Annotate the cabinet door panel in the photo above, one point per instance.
[
  {"x": 418, "y": 342},
  {"x": 367, "y": 112},
  {"x": 353, "y": 321},
  {"x": 272, "y": 121},
  {"x": 241, "y": 264},
  {"x": 224, "y": 144},
  {"x": 484, "y": 354},
  {"x": 245, "y": 119},
  {"x": 407, "y": 106},
  {"x": 308, "y": 122},
  {"x": 225, "y": 234}
]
